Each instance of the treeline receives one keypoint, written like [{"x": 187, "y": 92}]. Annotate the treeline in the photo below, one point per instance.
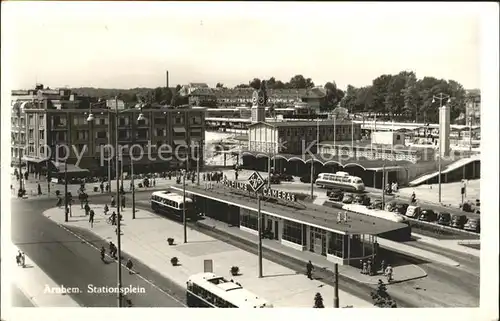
[{"x": 406, "y": 97}]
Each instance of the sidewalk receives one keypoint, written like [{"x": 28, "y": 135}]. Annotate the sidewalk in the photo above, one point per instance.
[
  {"x": 402, "y": 273},
  {"x": 145, "y": 239},
  {"x": 35, "y": 284}
]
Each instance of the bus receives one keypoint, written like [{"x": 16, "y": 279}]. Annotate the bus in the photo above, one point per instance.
[
  {"x": 207, "y": 290},
  {"x": 340, "y": 180},
  {"x": 171, "y": 204}
]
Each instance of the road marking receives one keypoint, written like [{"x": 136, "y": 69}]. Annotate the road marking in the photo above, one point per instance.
[{"x": 140, "y": 276}]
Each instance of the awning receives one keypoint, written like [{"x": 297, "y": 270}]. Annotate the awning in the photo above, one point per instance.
[
  {"x": 36, "y": 160},
  {"x": 71, "y": 168},
  {"x": 179, "y": 129},
  {"x": 180, "y": 142}
]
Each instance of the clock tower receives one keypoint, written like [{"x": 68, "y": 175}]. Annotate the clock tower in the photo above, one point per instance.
[{"x": 259, "y": 101}]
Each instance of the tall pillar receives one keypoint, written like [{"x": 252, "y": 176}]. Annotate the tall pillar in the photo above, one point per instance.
[
  {"x": 348, "y": 249},
  {"x": 280, "y": 229},
  {"x": 444, "y": 131},
  {"x": 308, "y": 237},
  {"x": 363, "y": 243}
]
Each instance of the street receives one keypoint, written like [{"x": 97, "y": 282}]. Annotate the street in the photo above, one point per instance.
[{"x": 71, "y": 262}]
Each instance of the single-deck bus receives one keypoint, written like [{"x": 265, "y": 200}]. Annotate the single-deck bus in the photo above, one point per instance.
[
  {"x": 340, "y": 180},
  {"x": 171, "y": 204},
  {"x": 207, "y": 290}
]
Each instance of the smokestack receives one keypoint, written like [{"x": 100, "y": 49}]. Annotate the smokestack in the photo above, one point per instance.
[{"x": 167, "y": 78}]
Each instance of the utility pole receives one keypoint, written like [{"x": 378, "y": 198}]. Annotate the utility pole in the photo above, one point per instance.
[
  {"x": 440, "y": 97},
  {"x": 439, "y": 173},
  {"x": 133, "y": 186},
  {"x": 312, "y": 159},
  {"x": 198, "y": 166},
  {"x": 259, "y": 222},
  {"x": 118, "y": 224},
  {"x": 383, "y": 184},
  {"x": 336, "y": 287},
  {"x": 184, "y": 205}
]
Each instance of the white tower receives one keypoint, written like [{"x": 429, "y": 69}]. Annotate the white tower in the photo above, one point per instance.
[
  {"x": 259, "y": 99},
  {"x": 444, "y": 131}
]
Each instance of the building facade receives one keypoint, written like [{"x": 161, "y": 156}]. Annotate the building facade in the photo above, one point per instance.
[
  {"x": 22, "y": 127},
  {"x": 292, "y": 137},
  {"x": 473, "y": 108},
  {"x": 178, "y": 130}
]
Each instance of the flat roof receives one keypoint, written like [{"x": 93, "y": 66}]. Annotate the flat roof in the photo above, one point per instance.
[{"x": 305, "y": 213}]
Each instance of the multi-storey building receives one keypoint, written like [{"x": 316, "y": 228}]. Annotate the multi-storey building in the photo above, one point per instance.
[
  {"x": 20, "y": 100},
  {"x": 178, "y": 130}
]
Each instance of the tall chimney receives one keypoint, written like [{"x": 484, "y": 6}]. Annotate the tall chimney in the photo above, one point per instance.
[{"x": 167, "y": 78}]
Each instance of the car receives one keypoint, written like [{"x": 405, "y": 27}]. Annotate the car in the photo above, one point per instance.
[
  {"x": 400, "y": 208},
  {"x": 285, "y": 177},
  {"x": 413, "y": 211},
  {"x": 444, "y": 218},
  {"x": 274, "y": 180},
  {"x": 427, "y": 215},
  {"x": 458, "y": 221},
  {"x": 473, "y": 225},
  {"x": 335, "y": 194},
  {"x": 362, "y": 199},
  {"x": 375, "y": 205},
  {"x": 307, "y": 178},
  {"x": 348, "y": 198}
]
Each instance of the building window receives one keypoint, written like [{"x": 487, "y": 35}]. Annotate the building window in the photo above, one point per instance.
[
  {"x": 58, "y": 121},
  {"x": 101, "y": 134},
  {"x": 123, "y": 134},
  {"x": 142, "y": 134},
  {"x": 292, "y": 232},
  {"x": 123, "y": 121},
  {"x": 61, "y": 137},
  {"x": 196, "y": 120},
  {"x": 249, "y": 219},
  {"x": 40, "y": 119},
  {"x": 41, "y": 134},
  {"x": 82, "y": 134},
  {"x": 142, "y": 122},
  {"x": 160, "y": 132},
  {"x": 159, "y": 121},
  {"x": 30, "y": 134},
  {"x": 179, "y": 120},
  {"x": 336, "y": 244},
  {"x": 79, "y": 120}
]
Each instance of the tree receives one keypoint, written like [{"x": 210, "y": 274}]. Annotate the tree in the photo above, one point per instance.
[
  {"x": 242, "y": 86},
  {"x": 379, "y": 92},
  {"x": 411, "y": 97},
  {"x": 381, "y": 298},
  {"x": 178, "y": 88},
  {"x": 219, "y": 85},
  {"x": 279, "y": 85},
  {"x": 255, "y": 83},
  {"x": 333, "y": 95},
  {"x": 271, "y": 82},
  {"x": 349, "y": 100},
  {"x": 363, "y": 102},
  {"x": 318, "y": 301},
  {"x": 394, "y": 99},
  {"x": 298, "y": 82},
  {"x": 309, "y": 83}
]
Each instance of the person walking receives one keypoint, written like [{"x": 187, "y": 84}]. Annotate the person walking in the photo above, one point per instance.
[
  {"x": 113, "y": 218},
  {"x": 389, "y": 273},
  {"x": 123, "y": 202},
  {"x": 129, "y": 266},
  {"x": 39, "y": 189},
  {"x": 101, "y": 186},
  {"x": 309, "y": 269},
  {"x": 87, "y": 208},
  {"x": 91, "y": 218}
]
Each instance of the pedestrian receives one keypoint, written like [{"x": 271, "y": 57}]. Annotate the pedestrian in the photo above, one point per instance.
[
  {"x": 87, "y": 208},
  {"x": 106, "y": 209},
  {"x": 39, "y": 189},
  {"x": 382, "y": 266},
  {"x": 365, "y": 268},
  {"x": 91, "y": 218},
  {"x": 107, "y": 187},
  {"x": 154, "y": 182},
  {"x": 123, "y": 202},
  {"x": 129, "y": 266},
  {"x": 113, "y": 202},
  {"x": 388, "y": 273},
  {"x": 101, "y": 186},
  {"x": 369, "y": 267},
  {"x": 112, "y": 250},
  {"x": 203, "y": 176},
  {"x": 103, "y": 253},
  {"x": 113, "y": 218},
  {"x": 309, "y": 269}
]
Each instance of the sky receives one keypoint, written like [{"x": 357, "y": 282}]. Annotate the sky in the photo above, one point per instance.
[{"x": 130, "y": 44}]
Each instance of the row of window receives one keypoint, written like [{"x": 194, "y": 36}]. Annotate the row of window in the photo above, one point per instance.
[
  {"x": 167, "y": 202},
  {"x": 294, "y": 232},
  {"x": 209, "y": 296},
  {"x": 249, "y": 219}
]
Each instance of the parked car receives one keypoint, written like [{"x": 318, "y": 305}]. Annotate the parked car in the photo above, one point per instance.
[
  {"x": 376, "y": 205},
  {"x": 473, "y": 225},
  {"x": 413, "y": 211},
  {"x": 335, "y": 195},
  {"x": 444, "y": 218},
  {"x": 362, "y": 199},
  {"x": 400, "y": 208},
  {"x": 348, "y": 198},
  {"x": 275, "y": 179},
  {"x": 307, "y": 178},
  {"x": 458, "y": 221},
  {"x": 427, "y": 215},
  {"x": 285, "y": 177}
]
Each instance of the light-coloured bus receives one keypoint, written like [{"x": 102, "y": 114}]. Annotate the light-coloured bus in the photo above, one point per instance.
[
  {"x": 207, "y": 290},
  {"x": 340, "y": 180},
  {"x": 171, "y": 204}
]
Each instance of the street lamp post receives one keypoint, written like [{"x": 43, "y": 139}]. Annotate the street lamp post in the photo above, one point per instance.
[
  {"x": 198, "y": 165},
  {"x": 312, "y": 159},
  {"x": 184, "y": 222},
  {"x": 133, "y": 187},
  {"x": 18, "y": 111}
]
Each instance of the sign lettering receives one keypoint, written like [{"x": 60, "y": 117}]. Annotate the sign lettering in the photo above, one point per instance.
[{"x": 265, "y": 191}]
